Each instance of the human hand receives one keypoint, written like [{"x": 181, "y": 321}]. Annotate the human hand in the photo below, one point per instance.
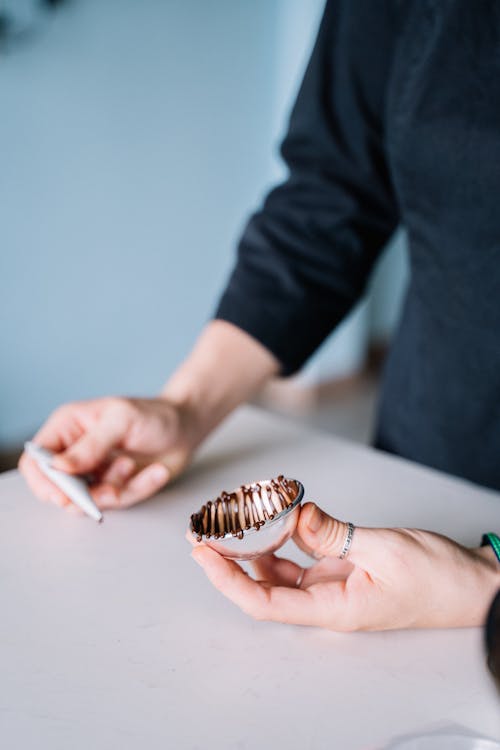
[
  {"x": 393, "y": 578},
  {"x": 130, "y": 448}
]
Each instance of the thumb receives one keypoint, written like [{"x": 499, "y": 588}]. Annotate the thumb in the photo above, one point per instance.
[
  {"x": 93, "y": 448},
  {"x": 323, "y": 535}
]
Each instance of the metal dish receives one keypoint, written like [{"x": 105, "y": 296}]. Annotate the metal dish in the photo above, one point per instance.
[{"x": 255, "y": 541}]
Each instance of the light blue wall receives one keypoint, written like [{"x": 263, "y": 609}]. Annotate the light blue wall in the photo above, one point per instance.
[{"x": 135, "y": 139}]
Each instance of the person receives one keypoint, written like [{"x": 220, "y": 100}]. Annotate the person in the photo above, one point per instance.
[
  {"x": 396, "y": 122},
  {"x": 492, "y": 639}
]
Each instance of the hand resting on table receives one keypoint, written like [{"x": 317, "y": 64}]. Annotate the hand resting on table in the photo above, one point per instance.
[{"x": 130, "y": 447}]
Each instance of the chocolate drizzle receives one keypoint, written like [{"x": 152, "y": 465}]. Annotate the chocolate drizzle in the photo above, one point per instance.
[{"x": 250, "y": 506}]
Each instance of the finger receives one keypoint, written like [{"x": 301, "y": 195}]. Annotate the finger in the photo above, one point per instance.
[
  {"x": 298, "y": 540},
  {"x": 190, "y": 537},
  {"x": 281, "y": 572},
  {"x": 314, "y": 606},
  {"x": 300, "y": 535},
  {"x": 49, "y": 437},
  {"x": 40, "y": 485},
  {"x": 94, "y": 446},
  {"x": 106, "y": 496},
  {"x": 327, "y": 569},
  {"x": 319, "y": 533},
  {"x": 109, "y": 496},
  {"x": 119, "y": 471},
  {"x": 325, "y": 536},
  {"x": 105, "y": 490},
  {"x": 277, "y": 570},
  {"x": 144, "y": 484},
  {"x": 74, "y": 510},
  {"x": 60, "y": 430}
]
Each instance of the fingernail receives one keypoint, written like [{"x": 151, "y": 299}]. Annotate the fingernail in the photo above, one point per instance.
[
  {"x": 159, "y": 473},
  {"x": 314, "y": 520}
]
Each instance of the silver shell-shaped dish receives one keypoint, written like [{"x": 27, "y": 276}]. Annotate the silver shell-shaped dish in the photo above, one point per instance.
[{"x": 261, "y": 541}]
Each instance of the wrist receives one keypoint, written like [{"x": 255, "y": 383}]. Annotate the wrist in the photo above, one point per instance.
[
  {"x": 487, "y": 555},
  {"x": 490, "y": 575},
  {"x": 225, "y": 368},
  {"x": 186, "y": 396}
]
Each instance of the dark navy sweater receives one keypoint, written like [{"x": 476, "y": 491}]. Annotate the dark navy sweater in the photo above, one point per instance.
[{"x": 397, "y": 122}]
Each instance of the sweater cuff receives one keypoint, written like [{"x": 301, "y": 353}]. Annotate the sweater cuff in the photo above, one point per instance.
[{"x": 292, "y": 333}]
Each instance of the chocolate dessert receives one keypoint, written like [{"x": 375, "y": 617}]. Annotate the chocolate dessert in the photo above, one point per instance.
[{"x": 248, "y": 507}]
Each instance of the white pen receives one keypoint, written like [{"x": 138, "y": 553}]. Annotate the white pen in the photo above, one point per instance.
[{"x": 72, "y": 486}]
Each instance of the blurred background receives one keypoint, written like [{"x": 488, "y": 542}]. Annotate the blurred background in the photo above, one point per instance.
[{"x": 136, "y": 138}]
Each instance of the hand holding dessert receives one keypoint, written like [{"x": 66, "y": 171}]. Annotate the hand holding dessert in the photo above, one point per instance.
[{"x": 393, "y": 578}]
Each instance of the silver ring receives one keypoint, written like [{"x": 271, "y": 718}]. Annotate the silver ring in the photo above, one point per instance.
[
  {"x": 347, "y": 541},
  {"x": 300, "y": 578}
]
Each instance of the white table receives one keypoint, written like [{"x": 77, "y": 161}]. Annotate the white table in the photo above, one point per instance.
[{"x": 111, "y": 637}]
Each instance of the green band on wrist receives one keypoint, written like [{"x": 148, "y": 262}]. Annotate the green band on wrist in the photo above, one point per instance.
[{"x": 494, "y": 541}]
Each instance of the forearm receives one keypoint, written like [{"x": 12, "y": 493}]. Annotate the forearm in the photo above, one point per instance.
[{"x": 225, "y": 368}]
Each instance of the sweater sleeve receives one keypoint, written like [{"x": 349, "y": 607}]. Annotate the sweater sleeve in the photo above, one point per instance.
[{"x": 305, "y": 257}]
